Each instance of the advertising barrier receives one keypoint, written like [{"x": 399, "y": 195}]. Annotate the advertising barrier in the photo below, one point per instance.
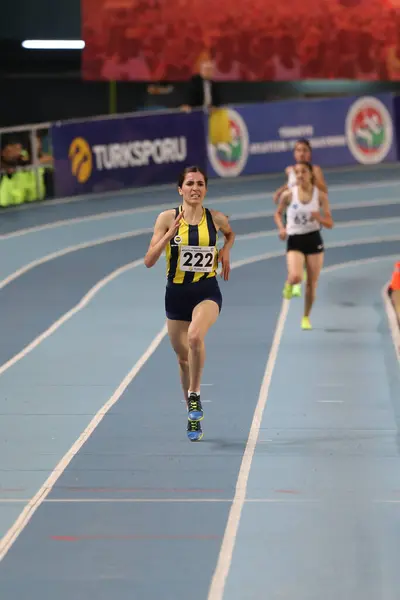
[
  {"x": 110, "y": 154},
  {"x": 396, "y": 105},
  {"x": 105, "y": 154},
  {"x": 342, "y": 131}
]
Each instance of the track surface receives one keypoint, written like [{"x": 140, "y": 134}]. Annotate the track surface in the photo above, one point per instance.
[{"x": 297, "y": 478}]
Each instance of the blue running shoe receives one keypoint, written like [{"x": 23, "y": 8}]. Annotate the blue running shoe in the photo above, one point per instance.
[
  {"x": 195, "y": 410},
  {"x": 194, "y": 431}
]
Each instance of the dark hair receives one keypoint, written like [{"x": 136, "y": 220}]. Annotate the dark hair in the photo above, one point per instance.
[
  {"x": 193, "y": 169},
  {"x": 305, "y": 142},
  {"x": 309, "y": 167}
]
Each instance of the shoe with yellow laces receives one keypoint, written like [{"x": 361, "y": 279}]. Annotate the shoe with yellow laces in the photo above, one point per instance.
[
  {"x": 194, "y": 431},
  {"x": 195, "y": 415}
]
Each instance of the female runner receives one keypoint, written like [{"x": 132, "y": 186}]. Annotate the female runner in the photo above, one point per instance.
[
  {"x": 193, "y": 300},
  {"x": 303, "y": 204},
  {"x": 302, "y": 153}
]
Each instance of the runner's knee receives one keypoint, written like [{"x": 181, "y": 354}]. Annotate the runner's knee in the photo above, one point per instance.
[
  {"x": 295, "y": 278},
  {"x": 181, "y": 350},
  {"x": 195, "y": 337},
  {"x": 183, "y": 361}
]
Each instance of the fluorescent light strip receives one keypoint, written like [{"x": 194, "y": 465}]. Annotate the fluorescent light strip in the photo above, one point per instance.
[{"x": 53, "y": 44}]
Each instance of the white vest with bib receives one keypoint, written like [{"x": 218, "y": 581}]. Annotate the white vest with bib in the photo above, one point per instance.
[{"x": 298, "y": 214}]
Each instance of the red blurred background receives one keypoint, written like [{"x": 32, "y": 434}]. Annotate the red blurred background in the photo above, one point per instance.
[{"x": 255, "y": 40}]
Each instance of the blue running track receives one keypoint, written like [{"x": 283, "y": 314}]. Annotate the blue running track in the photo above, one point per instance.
[{"x": 294, "y": 491}]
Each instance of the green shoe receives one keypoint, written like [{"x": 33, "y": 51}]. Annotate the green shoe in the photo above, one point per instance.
[
  {"x": 305, "y": 324},
  {"x": 287, "y": 291},
  {"x": 296, "y": 290}
]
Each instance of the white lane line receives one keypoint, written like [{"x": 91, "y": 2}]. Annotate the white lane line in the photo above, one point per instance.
[
  {"x": 283, "y": 500},
  {"x": 330, "y": 401},
  {"x": 68, "y": 315},
  {"x": 149, "y": 209},
  {"x": 227, "y": 549},
  {"x": 331, "y": 385},
  {"x": 347, "y": 224},
  {"x": 77, "y": 220},
  {"x": 34, "y": 503},
  {"x": 378, "y": 240},
  {"x": 225, "y": 556},
  {"x": 168, "y": 186},
  {"x": 202, "y": 401},
  {"x": 38, "y": 498},
  {"x": 137, "y": 232},
  {"x": 338, "y": 206},
  {"x": 94, "y": 290},
  {"x": 153, "y": 500},
  {"x": 68, "y": 250},
  {"x": 118, "y": 213},
  {"x": 113, "y": 500},
  {"x": 221, "y": 572},
  {"x": 358, "y": 262}
]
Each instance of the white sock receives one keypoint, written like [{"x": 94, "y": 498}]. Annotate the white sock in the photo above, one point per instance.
[{"x": 189, "y": 392}]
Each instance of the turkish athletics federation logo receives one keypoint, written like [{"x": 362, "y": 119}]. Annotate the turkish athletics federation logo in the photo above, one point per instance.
[{"x": 369, "y": 130}]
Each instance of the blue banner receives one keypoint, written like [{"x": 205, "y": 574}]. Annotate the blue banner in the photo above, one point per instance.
[
  {"x": 113, "y": 153},
  {"x": 342, "y": 131},
  {"x": 396, "y": 104}
]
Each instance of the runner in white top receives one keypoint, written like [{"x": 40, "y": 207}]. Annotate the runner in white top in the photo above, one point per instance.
[
  {"x": 302, "y": 153},
  {"x": 305, "y": 247}
]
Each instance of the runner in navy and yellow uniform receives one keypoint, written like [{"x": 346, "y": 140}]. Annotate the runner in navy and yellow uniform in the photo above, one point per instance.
[{"x": 193, "y": 299}]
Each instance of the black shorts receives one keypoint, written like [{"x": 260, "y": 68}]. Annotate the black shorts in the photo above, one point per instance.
[
  {"x": 306, "y": 243},
  {"x": 181, "y": 299}
]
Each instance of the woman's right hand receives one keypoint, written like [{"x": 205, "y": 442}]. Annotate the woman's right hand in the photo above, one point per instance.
[
  {"x": 282, "y": 233},
  {"x": 174, "y": 226}
]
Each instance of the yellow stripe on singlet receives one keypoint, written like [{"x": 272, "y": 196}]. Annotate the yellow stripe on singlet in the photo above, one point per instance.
[
  {"x": 182, "y": 237},
  {"x": 204, "y": 240}
]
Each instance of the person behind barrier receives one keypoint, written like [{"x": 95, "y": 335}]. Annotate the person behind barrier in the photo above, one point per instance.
[
  {"x": 302, "y": 152},
  {"x": 13, "y": 156},
  {"x": 193, "y": 299},
  {"x": 302, "y": 204},
  {"x": 202, "y": 91}
]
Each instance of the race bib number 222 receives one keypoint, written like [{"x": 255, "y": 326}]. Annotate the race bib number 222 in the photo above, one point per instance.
[{"x": 198, "y": 259}]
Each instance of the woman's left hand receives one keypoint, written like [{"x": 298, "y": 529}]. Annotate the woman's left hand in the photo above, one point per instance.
[{"x": 224, "y": 259}]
